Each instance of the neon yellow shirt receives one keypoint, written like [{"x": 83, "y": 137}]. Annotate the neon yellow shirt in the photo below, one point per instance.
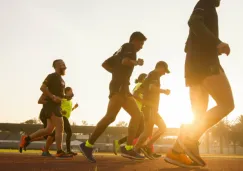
[
  {"x": 67, "y": 106},
  {"x": 140, "y": 95}
]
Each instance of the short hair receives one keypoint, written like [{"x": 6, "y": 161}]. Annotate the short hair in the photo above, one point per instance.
[
  {"x": 67, "y": 89},
  {"x": 55, "y": 62},
  {"x": 137, "y": 36}
]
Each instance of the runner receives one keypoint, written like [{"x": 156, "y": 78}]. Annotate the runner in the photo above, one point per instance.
[
  {"x": 121, "y": 65},
  {"x": 151, "y": 97},
  {"x": 138, "y": 95},
  {"x": 204, "y": 76},
  {"x": 53, "y": 88},
  {"x": 138, "y": 98}
]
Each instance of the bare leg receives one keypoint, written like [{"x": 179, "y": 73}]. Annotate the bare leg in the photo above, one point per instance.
[
  {"x": 162, "y": 127},
  {"x": 199, "y": 103},
  {"x": 148, "y": 127},
  {"x": 219, "y": 88},
  {"x": 38, "y": 139},
  {"x": 132, "y": 109},
  {"x": 58, "y": 123},
  {"x": 114, "y": 107},
  {"x": 49, "y": 142},
  {"x": 42, "y": 132}
]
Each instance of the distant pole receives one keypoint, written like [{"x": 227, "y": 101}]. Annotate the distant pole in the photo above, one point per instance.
[
  {"x": 208, "y": 142},
  {"x": 227, "y": 141}
]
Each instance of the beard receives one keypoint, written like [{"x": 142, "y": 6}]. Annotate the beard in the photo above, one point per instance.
[{"x": 62, "y": 71}]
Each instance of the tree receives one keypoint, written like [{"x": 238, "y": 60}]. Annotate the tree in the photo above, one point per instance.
[
  {"x": 234, "y": 136},
  {"x": 236, "y": 132},
  {"x": 240, "y": 127},
  {"x": 84, "y": 123},
  {"x": 32, "y": 121},
  {"x": 122, "y": 124},
  {"x": 221, "y": 131}
]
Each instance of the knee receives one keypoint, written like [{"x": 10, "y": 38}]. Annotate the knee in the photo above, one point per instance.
[
  {"x": 60, "y": 128},
  {"x": 109, "y": 119},
  {"x": 48, "y": 131},
  {"x": 228, "y": 107}
]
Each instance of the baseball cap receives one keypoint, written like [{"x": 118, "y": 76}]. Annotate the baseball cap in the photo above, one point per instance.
[{"x": 163, "y": 64}]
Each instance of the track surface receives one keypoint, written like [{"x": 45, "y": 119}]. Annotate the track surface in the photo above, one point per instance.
[{"x": 108, "y": 162}]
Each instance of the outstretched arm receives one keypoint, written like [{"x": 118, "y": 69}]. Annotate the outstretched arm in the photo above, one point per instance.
[{"x": 75, "y": 106}]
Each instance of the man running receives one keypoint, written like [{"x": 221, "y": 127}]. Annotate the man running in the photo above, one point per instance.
[
  {"x": 151, "y": 97},
  {"x": 121, "y": 65},
  {"x": 53, "y": 88},
  {"x": 138, "y": 95},
  {"x": 204, "y": 76},
  {"x": 138, "y": 98}
]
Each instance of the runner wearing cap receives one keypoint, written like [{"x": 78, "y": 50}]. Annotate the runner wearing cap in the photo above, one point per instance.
[{"x": 151, "y": 96}]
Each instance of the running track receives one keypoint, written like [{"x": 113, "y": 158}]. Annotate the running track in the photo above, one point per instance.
[{"x": 108, "y": 162}]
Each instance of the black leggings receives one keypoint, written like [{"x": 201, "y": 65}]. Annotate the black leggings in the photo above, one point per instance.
[{"x": 68, "y": 131}]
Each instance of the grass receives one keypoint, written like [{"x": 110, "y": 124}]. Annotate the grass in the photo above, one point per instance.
[{"x": 17, "y": 151}]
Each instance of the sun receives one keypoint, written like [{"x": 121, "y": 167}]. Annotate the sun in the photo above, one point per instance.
[{"x": 175, "y": 109}]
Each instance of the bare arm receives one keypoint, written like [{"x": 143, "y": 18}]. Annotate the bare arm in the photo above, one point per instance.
[
  {"x": 107, "y": 67},
  {"x": 42, "y": 99},
  {"x": 46, "y": 92},
  {"x": 75, "y": 106}
]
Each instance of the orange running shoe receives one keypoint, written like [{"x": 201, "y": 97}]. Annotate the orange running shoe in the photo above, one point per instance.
[
  {"x": 191, "y": 148},
  {"x": 179, "y": 159},
  {"x": 22, "y": 143},
  {"x": 62, "y": 155}
]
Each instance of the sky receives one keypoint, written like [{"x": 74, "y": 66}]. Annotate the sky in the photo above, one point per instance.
[{"x": 84, "y": 33}]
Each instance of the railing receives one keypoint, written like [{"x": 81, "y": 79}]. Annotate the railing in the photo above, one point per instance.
[{"x": 29, "y": 128}]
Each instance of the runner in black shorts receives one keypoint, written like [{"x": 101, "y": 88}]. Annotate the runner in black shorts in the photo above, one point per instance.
[
  {"x": 151, "y": 97},
  {"x": 138, "y": 95},
  {"x": 53, "y": 88},
  {"x": 121, "y": 65},
  {"x": 205, "y": 77}
]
